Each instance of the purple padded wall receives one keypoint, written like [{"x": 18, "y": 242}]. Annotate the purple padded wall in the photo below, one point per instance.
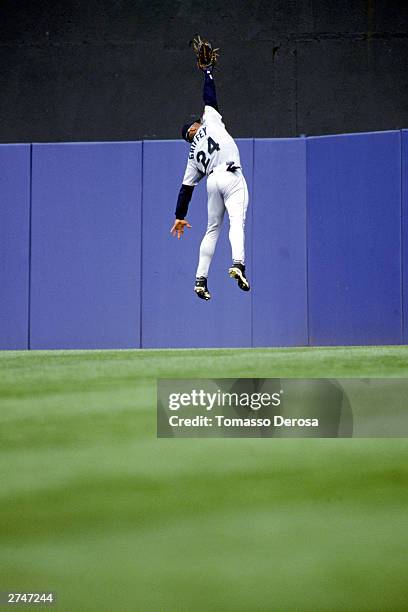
[
  {"x": 279, "y": 243},
  {"x": 354, "y": 257},
  {"x": 172, "y": 315},
  {"x": 86, "y": 246},
  {"x": 14, "y": 245},
  {"x": 85, "y": 277}
]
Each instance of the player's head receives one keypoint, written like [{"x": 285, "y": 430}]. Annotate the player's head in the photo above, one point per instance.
[{"x": 189, "y": 130}]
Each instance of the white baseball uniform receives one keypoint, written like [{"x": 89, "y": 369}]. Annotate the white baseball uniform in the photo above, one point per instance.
[{"x": 213, "y": 153}]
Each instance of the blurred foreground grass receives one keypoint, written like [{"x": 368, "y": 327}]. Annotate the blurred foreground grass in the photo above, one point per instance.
[{"x": 94, "y": 507}]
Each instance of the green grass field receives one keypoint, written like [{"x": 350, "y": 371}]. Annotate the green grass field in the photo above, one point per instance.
[{"x": 96, "y": 508}]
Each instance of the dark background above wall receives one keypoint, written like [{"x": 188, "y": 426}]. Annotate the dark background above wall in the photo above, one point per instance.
[{"x": 122, "y": 70}]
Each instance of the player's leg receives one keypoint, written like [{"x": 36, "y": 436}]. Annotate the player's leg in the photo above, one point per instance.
[
  {"x": 236, "y": 202},
  {"x": 216, "y": 210}
]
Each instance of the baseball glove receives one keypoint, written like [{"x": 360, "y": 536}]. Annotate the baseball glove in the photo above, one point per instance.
[{"x": 206, "y": 56}]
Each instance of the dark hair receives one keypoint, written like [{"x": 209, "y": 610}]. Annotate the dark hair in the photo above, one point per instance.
[{"x": 186, "y": 127}]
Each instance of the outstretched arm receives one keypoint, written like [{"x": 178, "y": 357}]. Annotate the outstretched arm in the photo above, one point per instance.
[
  {"x": 183, "y": 200},
  {"x": 192, "y": 176},
  {"x": 209, "y": 93}
]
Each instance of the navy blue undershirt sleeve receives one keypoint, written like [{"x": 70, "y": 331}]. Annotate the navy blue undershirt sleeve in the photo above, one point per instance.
[
  {"x": 186, "y": 191},
  {"x": 183, "y": 200},
  {"x": 209, "y": 95}
]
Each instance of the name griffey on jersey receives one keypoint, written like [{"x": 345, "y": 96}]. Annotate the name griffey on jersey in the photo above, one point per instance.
[
  {"x": 212, "y": 145},
  {"x": 202, "y": 133}
]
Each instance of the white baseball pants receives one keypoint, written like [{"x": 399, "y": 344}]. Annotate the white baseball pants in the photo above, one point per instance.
[{"x": 226, "y": 191}]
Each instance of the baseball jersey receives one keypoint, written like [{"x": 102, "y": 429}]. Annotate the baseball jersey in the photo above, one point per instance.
[{"x": 211, "y": 146}]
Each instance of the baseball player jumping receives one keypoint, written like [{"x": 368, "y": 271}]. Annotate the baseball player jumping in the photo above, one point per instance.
[{"x": 213, "y": 153}]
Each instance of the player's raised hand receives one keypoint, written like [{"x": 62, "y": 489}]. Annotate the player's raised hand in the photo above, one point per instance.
[{"x": 178, "y": 227}]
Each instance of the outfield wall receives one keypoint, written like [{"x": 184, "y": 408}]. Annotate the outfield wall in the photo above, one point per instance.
[{"x": 87, "y": 259}]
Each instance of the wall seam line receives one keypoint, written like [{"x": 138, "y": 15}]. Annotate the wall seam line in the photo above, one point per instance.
[
  {"x": 141, "y": 253},
  {"x": 307, "y": 241},
  {"x": 30, "y": 247},
  {"x": 252, "y": 239},
  {"x": 402, "y": 241}
]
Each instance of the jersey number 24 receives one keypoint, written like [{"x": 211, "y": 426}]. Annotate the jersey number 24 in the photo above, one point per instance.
[{"x": 201, "y": 156}]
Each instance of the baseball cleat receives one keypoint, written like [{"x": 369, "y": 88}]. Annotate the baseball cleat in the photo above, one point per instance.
[
  {"x": 237, "y": 271},
  {"x": 200, "y": 288}
]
